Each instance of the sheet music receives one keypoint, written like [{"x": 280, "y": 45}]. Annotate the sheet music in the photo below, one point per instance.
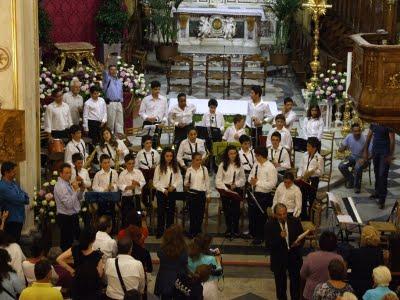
[{"x": 345, "y": 219}]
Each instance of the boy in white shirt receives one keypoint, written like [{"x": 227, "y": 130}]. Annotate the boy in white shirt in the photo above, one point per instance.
[
  {"x": 189, "y": 146},
  {"x": 213, "y": 118},
  {"x": 94, "y": 115},
  {"x": 75, "y": 145},
  {"x": 286, "y": 138},
  {"x": 197, "y": 183},
  {"x": 278, "y": 155},
  {"x": 263, "y": 178},
  {"x": 288, "y": 112},
  {"x": 130, "y": 182},
  {"x": 234, "y": 132},
  {"x": 246, "y": 154},
  {"x": 79, "y": 173},
  {"x": 289, "y": 194}
]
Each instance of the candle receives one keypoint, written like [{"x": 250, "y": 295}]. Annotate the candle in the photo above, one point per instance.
[{"x": 348, "y": 75}]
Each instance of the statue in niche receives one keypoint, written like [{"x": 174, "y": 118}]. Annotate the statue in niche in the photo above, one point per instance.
[
  {"x": 229, "y": 28},
  {"x": 204, "y": 28}
]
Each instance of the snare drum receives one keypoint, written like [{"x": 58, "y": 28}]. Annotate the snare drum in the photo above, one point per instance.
[{"x": 56, "y": 149}]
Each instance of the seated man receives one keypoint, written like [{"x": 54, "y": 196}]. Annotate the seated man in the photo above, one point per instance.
[{"x": 354, "y": 142}]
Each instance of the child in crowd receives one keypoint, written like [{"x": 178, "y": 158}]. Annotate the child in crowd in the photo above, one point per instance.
[
  {"x": 278, "y": 155},
  {"x": 212, "y": 118},
  {"x": 234, "y": 132},
  {"x": 286, "y": 138},
  {"x": 75, "y": 145},
  {"x": 189, "y": 146},
  {"x": 79, "y": 173}
]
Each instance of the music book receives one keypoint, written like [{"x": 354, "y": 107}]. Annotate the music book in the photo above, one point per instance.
[{"x": 345, "y": 219}]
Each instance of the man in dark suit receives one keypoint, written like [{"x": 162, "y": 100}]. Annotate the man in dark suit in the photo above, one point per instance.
[{"x": 281, "y": 236}]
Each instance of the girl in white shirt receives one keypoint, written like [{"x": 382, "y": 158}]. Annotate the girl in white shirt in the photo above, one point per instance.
[
  {"x": 229, "y": 182},
  {"x": 167, "y": 177},
  {"x": 233, "y": 133},
  {"x": 313, "y": 126},
  {"x": 114, "y": 148}
]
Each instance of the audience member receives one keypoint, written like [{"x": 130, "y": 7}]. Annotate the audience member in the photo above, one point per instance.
[
  {"x": 390, "y": 296},
  {"x": 199, "y": 254},
  {"x": 138, "y": 251},
  {"x": 15, "y": 252},
  {"x": 189, "y": 286},
  {"x": 336, "y": 285},
  {"x": 10, "y": 284},
  {"x": 282, "y": 237},
  {"x": 173, "y": 261},
  {"x": 315, "y": 266},
  {"x": 363, "y": 260},
  {"x": 124, "y": 273},
  {"x": 64, "y": 277},
  {"x": 134, "y": 218},
  {"x": 104, "y": 242},
  {"x": 347, "y": 296},
  {"x": 42, "y": 288},
  {"x": 382, "y": 277}
]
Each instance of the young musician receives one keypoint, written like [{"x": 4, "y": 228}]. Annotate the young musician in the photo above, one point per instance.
[
  {"x": 246, "y": 154},
  {"x": 189, "y": 146},
  {"x": 167, "y": 178},
  {"x": 79, "y": 173},
  {"x": 154, "y": 110},
  {"x": 213, "y": 118},
  {"x": 311, "y": 168},
  {"x": 181, "y": 116},
  {"x": 289, "y": 114},
  {"x": 286, "y": 137},
  {"x": 197, "y": 183},
  {"x": 229, "y": 182},
  {"x": 75, "y": 145},
  {"x": 57, "y": 118},
  {"x": 289, "y": 194},
  {"x": 313, "y": 124},
  {"x": 114, "y": 148},
  {"x": 94, "y": 115},
  {"x": 234, "y": 132},
  {"x": 130, "y": 182},
  {"x": 263, "y": 178},
  {"x": 278, "y": 155}
]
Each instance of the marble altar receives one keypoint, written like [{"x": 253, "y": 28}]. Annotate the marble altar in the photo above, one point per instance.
[{"x": 225, "y": 26}]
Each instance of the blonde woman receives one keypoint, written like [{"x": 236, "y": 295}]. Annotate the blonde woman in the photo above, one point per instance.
[{"x": 382, "y": 277}]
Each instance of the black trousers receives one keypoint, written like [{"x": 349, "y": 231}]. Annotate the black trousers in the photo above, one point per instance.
[
  {"x": 179, "y": 135},
  {"x": 257, "y": 218},
  {"x": 281, "y": 283},
  {"x": 13, "y": 229},
  {"x": 255, "y": 136},
  {"x": 231, "y": 209},
  {"x": 309, "y": 194},
  {"x": 60, "y": 134},
  {"x": 94, "y": 131},
  {"x": 165, "y": 211},
  {"x": 157, "y": 133},
  {"x": 197, "y": 204},
  {"x": 69, "y": 229},
  {"x": 127, "y": 204}
]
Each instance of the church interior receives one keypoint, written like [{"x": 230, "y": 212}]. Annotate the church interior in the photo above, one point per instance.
[{"x": 215, "y": 149}]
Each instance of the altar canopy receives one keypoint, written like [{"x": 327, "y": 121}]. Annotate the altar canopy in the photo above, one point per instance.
[{"x": 225, "y": 26}]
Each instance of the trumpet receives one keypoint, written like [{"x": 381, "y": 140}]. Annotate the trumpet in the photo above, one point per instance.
[{"x": 90, "y": 158}]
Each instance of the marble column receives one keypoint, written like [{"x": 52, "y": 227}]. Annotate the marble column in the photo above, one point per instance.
[{"x": 19, "y": 45}]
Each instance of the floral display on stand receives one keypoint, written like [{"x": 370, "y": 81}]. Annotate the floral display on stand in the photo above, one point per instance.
[{"x": 331, "y": 89}]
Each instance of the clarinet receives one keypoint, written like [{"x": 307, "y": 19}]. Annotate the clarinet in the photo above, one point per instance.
[
  {"x": 255, "y": 176},
  {"x": 234, "y": 178}
]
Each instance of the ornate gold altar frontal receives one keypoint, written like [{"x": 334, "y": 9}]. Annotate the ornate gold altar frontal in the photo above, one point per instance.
[{"x": 12, "y": 135}]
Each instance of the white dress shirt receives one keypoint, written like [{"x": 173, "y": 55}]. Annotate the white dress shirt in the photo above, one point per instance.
[
  {"x": 74, "y": 147},
  {"x": 132, "y": 273},
  {"x": 229, "y": 134},
  {"x": 291, "y": 197},
  {"x": 187, "y": 148},
  {"x": 106, "y": 244},
  {"x": 286, "y": 138},
  {"x": 260, "y": 110},
  {"x": 313, "y": 128},
  {"x": 154, "y": 108},
  {"x": 110, "y": 151},
  {"x": 284, "y": 227},
  {"x": 226, "y": 177},
  {"x": 279, "y": 156},
  {"x": 161, "y": 180},
  {"x": 57, "y": 117},
  {"x": 315, "y": 162},
  {"x": 147, "y": 159},
  {"x": 101, "y": 181},
  {"x": 176, "y": 115},
  {"x": 267, "y": 176},
  {"x": 213, "y": 120},
  {"x": 75, "y": 104},
  {"x": 199, "y": 179},
  {"x": 290, "y": 118},
  {"x": 247, "y": 159},
  {"x": 95, "y": 110},
  {"x": 84, "y": 174},
  {"x": 125, "y": 179}
]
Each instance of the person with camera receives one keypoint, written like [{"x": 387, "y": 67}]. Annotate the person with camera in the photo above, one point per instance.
[{"x": 201, "y": 254}]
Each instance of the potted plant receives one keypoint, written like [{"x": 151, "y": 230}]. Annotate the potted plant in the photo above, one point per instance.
[
  {"x": 111, "y": 20},
  {"x": 166, "y": 27},
  {"x": 284, "y": 11}
]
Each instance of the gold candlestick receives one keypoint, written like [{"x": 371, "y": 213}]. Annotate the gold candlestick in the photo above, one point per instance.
[
  {"x": 317, "y": 8},
  {"x": 346, "y": 116}
]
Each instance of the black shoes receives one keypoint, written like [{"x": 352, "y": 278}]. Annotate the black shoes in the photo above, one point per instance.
[
  {"x": 357, "y": 190},
  {"x": 380, "y": 203}
]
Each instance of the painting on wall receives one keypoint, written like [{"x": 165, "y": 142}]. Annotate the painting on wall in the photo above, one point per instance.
[{"x": 12, "y": 135}]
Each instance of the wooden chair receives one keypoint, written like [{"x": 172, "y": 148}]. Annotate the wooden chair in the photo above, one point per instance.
[
  {"x": 170, "y": 130},
  {"x": 327, "y": 153},
  {"x": 218, "y": 68},
  {"x": 250, "y": 61},
  {"x": 392, "y": 224},
  {"x": 135, "y": 132},
  {"x": 315, "y": 222},
  {"x": 139, "y": 58},
  {"x": 176, "y": 72}
]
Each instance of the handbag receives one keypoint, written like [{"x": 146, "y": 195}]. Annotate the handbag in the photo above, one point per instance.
[
  {"x": 128, "y": 295},
  {"x": 107, "y": 100}
]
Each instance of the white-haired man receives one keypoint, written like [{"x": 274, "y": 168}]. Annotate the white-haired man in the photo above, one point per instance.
[{"x": 74, "y": 100}]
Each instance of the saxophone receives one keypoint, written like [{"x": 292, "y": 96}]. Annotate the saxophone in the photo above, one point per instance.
[
  {"x": 90, "y": 158},
  {"x": 116, "y": 161}
]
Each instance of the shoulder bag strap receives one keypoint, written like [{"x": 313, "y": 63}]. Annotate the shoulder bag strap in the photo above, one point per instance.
[
  {"x": 9, "y": 293},
  {"x": 108, "y": 85},
  {"x": 119, "y": 276}
]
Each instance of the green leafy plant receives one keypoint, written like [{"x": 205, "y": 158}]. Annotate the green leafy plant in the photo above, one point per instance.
[
  {"x": 111, "y": 20},
  {"x": 164, "y": 20},
  {"x": 284, "y": 11},
  {"x": 44, "y": 25}
]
